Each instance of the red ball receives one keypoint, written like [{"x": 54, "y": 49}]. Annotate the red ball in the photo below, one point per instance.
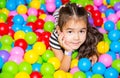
[
  {"x": 35, "y": 74},
  {"x": 65, "y": 1},
  {"x": 11, "y": 33},
  {"x": 10, "y": 19},
  {"x": 96, "y": 13},
  {"x": 40, "y": 12},
  {"x": 3, "y": 29},
  {"x": 32, "y": 25},
  {"x": 39, "y": 23},
  {"x": 89, "y": 8},
  {"x": 98, "y": 21},
  {"x": 21, "y": 43}
]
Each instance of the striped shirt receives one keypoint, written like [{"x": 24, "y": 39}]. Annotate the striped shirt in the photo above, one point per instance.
[{"x": 53, "y": 41}]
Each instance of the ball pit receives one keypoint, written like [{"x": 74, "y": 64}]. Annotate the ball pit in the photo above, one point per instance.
[{"x": 25, "y": 28}]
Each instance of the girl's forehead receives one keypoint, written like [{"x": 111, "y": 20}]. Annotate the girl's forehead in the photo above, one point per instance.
[{"x": 79, "y": 23}]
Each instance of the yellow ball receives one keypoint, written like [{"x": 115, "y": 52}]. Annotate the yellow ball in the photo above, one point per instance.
[
  {"x": 35, "y": 4},
  {"x": 55, "y": 62},
  {"x": 2, "y": 21},
  {"x": 42, "y": 16},
  {"x": 104, "y": 2},
  {"x": 102, "y": 47},
  {"x": 5, "y": 11},
  {"x": 39, "y": 48},
  {"x": 74, "y": 63},
  {"x": 19, "y": 35},
  {"x": 60, "y": 74},
  {"x": 31, "y": 56},
  {"x": 22, "y": 75},
  {"x": 69, "y": 75},
  {"x": 22, "y": 9}
]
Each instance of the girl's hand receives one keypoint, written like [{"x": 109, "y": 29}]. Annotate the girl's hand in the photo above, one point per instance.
[
  {"x": 64, "y": 44},
  {"x": 93, "y": 59}
]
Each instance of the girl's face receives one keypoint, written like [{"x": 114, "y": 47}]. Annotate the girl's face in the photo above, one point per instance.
[{"x": 75, "y": 33}]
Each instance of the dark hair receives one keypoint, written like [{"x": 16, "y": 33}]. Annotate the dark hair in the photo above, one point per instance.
[{"x": 72, "y": 10}]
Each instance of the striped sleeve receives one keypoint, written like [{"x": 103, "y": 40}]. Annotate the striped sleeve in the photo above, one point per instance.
[
  {"x": 56, "y": 16},
  {"x": 53, "y": 41}
]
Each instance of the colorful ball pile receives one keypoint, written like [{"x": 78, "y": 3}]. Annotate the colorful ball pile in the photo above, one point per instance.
[{"x": 25, "y": 28}]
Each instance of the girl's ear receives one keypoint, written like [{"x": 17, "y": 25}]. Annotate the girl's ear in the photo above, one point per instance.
[{"x": 58, "y": 30}]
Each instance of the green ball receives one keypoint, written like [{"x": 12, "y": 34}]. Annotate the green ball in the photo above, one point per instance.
[
  {"x": 42, "y": 1},
  {"x": 31, "y": 18},
  {"x": 40, "y": 60},
  {"x": 97, "y": 76},
  {"x": 30, "y": 37},
  {"x": 49, "y": 26},
  {"x": 2, "y": 3},
  {"x": 25, "y": 67},
  {"x": 47, "y": 76},
  {"x": 74, "y": 55},
  {"x": 79, "y": 74},
  {"x": 3, "y": 16},
  {"x": 11, "y": 67},
  {"x": 6, "y": 47},
  {"x": 48, "y": 54},
  {"x": 113, "y": 2},
  {"x": 6, "y": 75},
  {"x": 47, "y": 69},
  {"x": 116, "y": 64},
  {"x": 118, "y": 25},
  {"x": 6, "y": 40},
  {"x": 73, "y": 1}
]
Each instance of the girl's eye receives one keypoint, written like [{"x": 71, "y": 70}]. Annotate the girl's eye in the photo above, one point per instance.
[
  {"x": 69, "y": 31},
  {"x": 82, "y": 31}
]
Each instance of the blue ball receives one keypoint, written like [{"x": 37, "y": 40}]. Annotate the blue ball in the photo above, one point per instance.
[
  {"x": 16, "y": 27},
  {"x": 109, "y": 25},
  {"x": 109, "y": 11},
  {"x": 115, "y": 46},
  {"x": 98, "y": 68},
  {"x": 1, "y": 62},
  {"x": 18, "y": 19},
  {"x": 43, "y": 7},
  {"x": 19, "y": 2},
  {"x": 58, "y": 3},
  {"x": 84, "y": 64},
  {"x": 114, "y": 35},
  {"x": 36, "y": 67},
  {"x": 111, "y": 73},
  {"x": 26, "y": 29},
  {"x": 89, "y": 74},
  {"x": 10, "y": 5},
  {"x": 112, "y": 54}
]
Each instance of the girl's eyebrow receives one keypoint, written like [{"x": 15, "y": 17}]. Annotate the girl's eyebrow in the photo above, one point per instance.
[{"x": 73, "y": 29}]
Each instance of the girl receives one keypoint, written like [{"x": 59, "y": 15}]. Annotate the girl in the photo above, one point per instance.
[{"x": 73, "y": 32}]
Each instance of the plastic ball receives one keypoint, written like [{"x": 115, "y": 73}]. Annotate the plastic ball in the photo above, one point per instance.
[
  {"x": 11, "y": 33},
  {"x": 18, "y": 19},
  {"x": 58, "y": 3},
  {"x": 2, "y": 4},
  {"x": 40, "y": 11},
  {"x": 112, "y": 54},
  {"x": 30, "y": 37},
  {"x": 10, "y": 5},
  {"x": 39, "y": 47},
  {"x": 97, "y": 76},
  {"x": 47, "y": 68},
  {"x": 32, "y": 11},
  {"x": 98, "y": 2},
  {"x": 3, "y": 29},
  {"x": 19, "y": 35},
  {"x": 27, "y": 29},
  {"x": 79, "y": 74},
  {"x": 59, "y": 74},
  {"x": 69, "y": 75},
  {"x": 102, "y": 47},
  {"x": 102, "y": 8},
  {"x": 5, "y": 55},
  {"x": 35, "y": 74},
  {"x": 115, "y": 46},
  {"x": 42, "y": 16},
  {"x": 89, "y": 8},
  {"x": 1, "y": 62},
  {"x": 74, "y": 69},
  {"x": 117, "y": 6},
  {"x": 114, "y": 35},
  {"x": 118, "y": 25},
  {"x": 22, "y": 9},
  {"x": 5, "y": 11},
  {"x": 116, "y": 64},
  {"x": 30, "y": 56},
  {"x": 6, "y": 40},
  {"x": 32, "y": 25},
  {"x": 111, "y": 73},
  {"x": 109, "y": 11},
  {"x": 74, "y": 63},
  {"x": 89, "y": 74},
  {"x": 65, "y": 1},
  {"x": 98, "y": 68},
  {"x": 10, "y": 66},
  {"x": 50, "y": 7},
  {"x": 98, "y": 21},
  {"x": 13, "y": 13},
  {"x": 31, "y": 18},
  {"x": 22, "y": 75},
  {"x": 39, "y": 23},
  {"x": 55, "y": 62},
  {"x": 35, "y": 4},
  {"x": 16, "y": 27},
  {"x": 118, "y": 14},
  {"x": 84, "y": 64},
  {"x": 106, "y": 59},
  {"x": 6, "y": 47},
  {"x": 109, "y": 25},
  {"x": 25, "y": 67},
  {"x": 49, "y": 26},
  {"x": 17, "y": 51},
  {"x": 36, "y": 67},
  {"x": 50, "y": 18}
]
